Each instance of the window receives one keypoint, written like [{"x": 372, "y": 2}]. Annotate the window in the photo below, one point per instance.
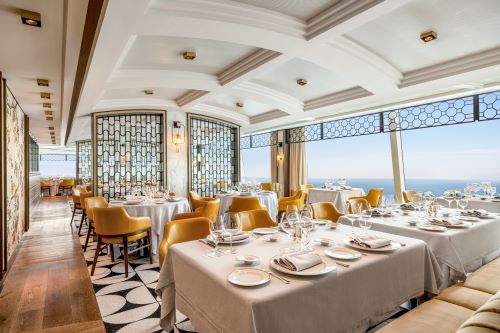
[
  {"x": 57, "y": 165},
  {"x": 449, "y": 157},
  {"x": 256, "y": 164},
  {"x": 365, "y": 161}
]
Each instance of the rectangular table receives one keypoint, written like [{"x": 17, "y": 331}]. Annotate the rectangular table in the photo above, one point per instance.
[
  {"x": 337, "y": 196},
  {"x": 476, "y": 203},
  {"x": 348, "y": 300},
  {"x": 458, "y": 251}
]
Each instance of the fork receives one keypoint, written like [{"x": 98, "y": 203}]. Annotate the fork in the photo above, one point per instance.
[{"x": 282, "y": 279}]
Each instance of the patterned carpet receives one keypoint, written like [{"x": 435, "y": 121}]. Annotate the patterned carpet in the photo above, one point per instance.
[{"x": 127, "y": 304}]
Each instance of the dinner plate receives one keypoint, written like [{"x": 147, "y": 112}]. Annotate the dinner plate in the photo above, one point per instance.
[
  {"x": 391, "y": 247},
  {"x": 319, "y": 269},
  {"x": 209, "y": 239},
  {"x": 265, "y": 231},
  {"x": 320, "y": 221},
  {"x": 431, "y": 227},
  {"x": 159, "y": 201},
  {"x": 248, "y": 277},
  {"x": 469, "y": 218},
  {"x": 342, "y": 253},
  {"x": 174, "y": 199}
]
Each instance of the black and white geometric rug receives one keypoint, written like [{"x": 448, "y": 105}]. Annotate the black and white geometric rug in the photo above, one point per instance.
[{"x": 127, "y": 304}]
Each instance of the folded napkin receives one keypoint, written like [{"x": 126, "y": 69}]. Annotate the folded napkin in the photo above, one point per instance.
[
  {"x": 475, "y": 213},
  {"x": 240, "y": 235},
  {"x": 372, "y": 242},
  {"x": 298, "y": 262},
  {"x": 445, "y": 222},
  {"x": 377, "y": 212},
  {"x": 408, "y": 206}
]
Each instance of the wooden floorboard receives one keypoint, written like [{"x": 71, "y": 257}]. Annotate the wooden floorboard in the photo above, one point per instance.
[{"x": 48, "y": 288}]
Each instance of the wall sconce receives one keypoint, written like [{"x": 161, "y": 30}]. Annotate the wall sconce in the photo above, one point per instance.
[
  {"x": 280, "y": 157},
  {"x": 178, "y": 135}
]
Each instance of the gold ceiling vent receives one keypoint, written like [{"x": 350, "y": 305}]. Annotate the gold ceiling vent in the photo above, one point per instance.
[
  {"x": 47, "y": 105},
  {"x": 31, "y": 18},
  {"x": 45, "y": 95},
  {"x": 428, "y": 36},
  {"x": 42, "y": 82},
  {"x": 301, "y": 82},
  {"x": 189, "y": 55},
  {"x": 149, "y": 91}
]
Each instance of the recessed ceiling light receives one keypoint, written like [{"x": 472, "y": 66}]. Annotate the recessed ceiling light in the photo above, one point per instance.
[
  {"x": 49, "y": 118},
  {"x": 149, "y": 91},
  {"x": 51, "y": 128},
  {"x": 428, "y": 36},
  {"x": 189, "y": 55},
  {"x": 45, "y": 95},
  {"x": 301, "y": 82},
  {"x": 239, "y": 104},
  {"x": 47, "y": 105},
  {"x": 42, "y": 82},
  {"x": 47, "y": 112},
  {"x": 31, "y": 18}
]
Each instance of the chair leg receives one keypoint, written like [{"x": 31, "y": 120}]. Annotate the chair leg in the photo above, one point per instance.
[
  {"x": 89, "y": 231},
  {"x": 73, "y": 217},
  {"x": 125, "y": 254},
  {"x": 81, "y": 223},
  {"x": 97, "y": 250},
  {"x": 112, "y": 250},
  {"x": 150, "y": 248}
]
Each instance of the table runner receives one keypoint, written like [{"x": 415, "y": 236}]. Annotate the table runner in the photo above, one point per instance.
[
  {"x": 337, "y": 196},
  {"x": 349, "y": 300}
]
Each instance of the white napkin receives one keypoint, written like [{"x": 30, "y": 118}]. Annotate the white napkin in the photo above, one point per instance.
[
  {"x": 372, "y": 242},
  {"x": 445, "y": 222},
  {"x": 475, "y": 212},
  {"x": 298, "y": 262},
  {"x": 240, "y": 235}
]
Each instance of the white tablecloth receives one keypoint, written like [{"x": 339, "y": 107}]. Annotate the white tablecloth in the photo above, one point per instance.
[
  {"x": 475, "y": 203},
  {"x": 459, "y": 251},
  {"x": 348, "y": 300},
  {"x": 54, "y": 187},
  {"x": 159, "y": 214},
  {"x": 268, "y": 199},
  {"x": 337, "y": 196}
]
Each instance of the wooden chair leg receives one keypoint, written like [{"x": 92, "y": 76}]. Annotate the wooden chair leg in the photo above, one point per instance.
[
  {"x": 97, "y": 250},
  {"x": 89, "y": 231},
  {"x": 150, "y": 247},
  {"x": 73, "y": 217},
  {"x": 81, "y": 223},
  {"x": 125, "y": 253},
  {"x": 112, "y": 250}
]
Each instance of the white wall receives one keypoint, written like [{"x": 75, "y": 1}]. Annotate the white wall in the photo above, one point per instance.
[{"x": 177, "y": 163}]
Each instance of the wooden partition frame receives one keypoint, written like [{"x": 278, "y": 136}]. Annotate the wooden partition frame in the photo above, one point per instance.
[{"x": 3, "y": 242}]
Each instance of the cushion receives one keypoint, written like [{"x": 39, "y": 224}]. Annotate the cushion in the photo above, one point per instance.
[
  {"x": 433, "y": 316},
  {"x": 486, "y": 278},
  {"x": 476, "y": 330},
  {"x": 469, "y": 298},
  {"x": 489, "y": 320}
]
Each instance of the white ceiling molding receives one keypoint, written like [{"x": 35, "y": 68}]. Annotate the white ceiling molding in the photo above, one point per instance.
[
  {"x": 190, "y": 97},
  {"x": 453, "y": 67},
  {"x": 336, "y": 98},
  {"x": 271, "y": 115},
  {"x": 133, "y": 104},
  {"x": 222, "y": 113}
]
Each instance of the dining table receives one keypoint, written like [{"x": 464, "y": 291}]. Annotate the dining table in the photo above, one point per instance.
[
  {"x": 489, "y": 204},
  {"x": 337, "y": 195},
  {"x": 356, "y": 295},
  {"x": 160, "y": 213},
  {"x": 267, "y": 198},
  {"x": 459, "y": 250}
]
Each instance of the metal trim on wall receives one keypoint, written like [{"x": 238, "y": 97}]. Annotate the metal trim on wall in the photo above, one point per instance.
[{"x": 79, "y": 171}]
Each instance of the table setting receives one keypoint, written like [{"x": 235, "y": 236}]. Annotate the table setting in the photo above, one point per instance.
[
  {"x": 338, "y": 195},
  {"x": 267, "y": 198}
]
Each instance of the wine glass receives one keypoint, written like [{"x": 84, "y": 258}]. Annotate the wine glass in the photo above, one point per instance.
[
  {"x": 353, "y": 208},
  {"x": 365, "y": 222},
  {"x": 216, "y": 232},
  {"x": 462, "y": 203},
  {"x": 306, "y": 227},
  {"x": 448, "y": 197},
  {"x": 232, "y": 226}
]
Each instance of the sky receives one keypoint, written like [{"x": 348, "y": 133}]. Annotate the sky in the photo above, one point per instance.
[{"x": 466, "y": 151}]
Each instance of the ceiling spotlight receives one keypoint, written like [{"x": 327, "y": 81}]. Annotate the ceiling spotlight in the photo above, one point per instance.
[
  {"x": 45, "y": 95},
  {"x": 239, "y": 104},
  {"x": 42, "y": 82},
  {"x": 51, "y": 128},
  {"x": 31, "y": 18},
  {"x": 47, "y": 112},
  {"x": 149, "y": 91},
  {"x": 47, "y": 105},
  {"x": 189, "y": 55},
  {"x": 301, "y": 82},
  {"x": 428, "y": 36},
  {"x": 49, "y": 118}
]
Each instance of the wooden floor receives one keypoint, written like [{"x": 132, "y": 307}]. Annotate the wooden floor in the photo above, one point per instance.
[{"x": 48, "y": 288}]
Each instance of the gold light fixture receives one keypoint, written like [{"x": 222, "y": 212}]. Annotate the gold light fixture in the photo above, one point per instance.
[
  {"x": 45, "y": 95},
  {"x": 301, "y": 82},
  {"x": 48, "y": 113},
  {"x": 428, "y": 36},
  {"x": 149, "y": 91},
  {"x": 189, "y": 55},
  {"x": 49, "y": 118},
  {"x": 42, "y": 82},
  {"x": 178, "y": 135},
  {"x": 51, "y": 128},
  {"x": 31, "y": 18},
  {"x": 239, "y": 104},
  {"x": 47, "y": 105}
]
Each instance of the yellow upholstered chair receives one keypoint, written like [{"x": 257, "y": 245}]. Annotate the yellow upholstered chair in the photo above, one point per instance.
[
  {"x": 196, "y": 201},
  {"x": 114, "y": 226},
  {"x": 265, "y": 186},
  {"x": 75, "y": 197},
  {"x": 90, "y": 204},
  {"x": 357, "y": 205},
  {"x": 306, "y": 187},
  {"x": 409, "y": 195},
  {"x": 83, "y": 196},
  {"x": 240, "y": 204},
  {"x": 179, "y": 231},
  {"x": 66, "y": 184},
  {"x": 258, "y": 218},
  {"x": 374, "y": 196},
  {"x": 325, "y": 211},
  {"x": 298, "y": 199},
  {"x": 210, "y": 210}
]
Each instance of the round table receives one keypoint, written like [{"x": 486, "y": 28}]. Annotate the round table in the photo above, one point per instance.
[
  {"x": 336, "y": 195},
  {"x": 268, "y": 199},
  {"x": 159, "y": 214}
]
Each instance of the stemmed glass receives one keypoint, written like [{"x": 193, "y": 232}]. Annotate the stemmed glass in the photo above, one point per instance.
[
  {"x": 448, "y": 197},
  {"x": 365, "y": 220},
  {"x": 353, "y": 208},
  {"x": 462, "y": 203},
  {"x": 231, "y": 225},
  {"x": 216, "y": 232}
]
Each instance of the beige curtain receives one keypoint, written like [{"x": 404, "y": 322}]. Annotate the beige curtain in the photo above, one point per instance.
[
  {"x": 274, "y": 163},
  {"x": 298, "y": 166}
]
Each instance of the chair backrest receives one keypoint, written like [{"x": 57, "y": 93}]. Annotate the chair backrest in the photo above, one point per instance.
[
  {"x": 83, "y": 197},
  {"x": 67, "y": 182},
  {"x": 258, "y": 218},
  {"x": 357, "y": 205},
  {"x": 409, "y": 195},
  {"x": 44, "y": 183},
  {"x": 94, "y": 202},
  {"x": 374, "y": 196},
  {"x": 240, "y": 204},
  {"x": 76, "y": 193},
  {"x": 112, "y": 221},
  {"x": 325, "y": 211},
  {"x": 179, "y": 231},
  {"x": 211, "y": 209},
  {"x": 265, "y": 186},
  {"x": 193, "y": 196}
]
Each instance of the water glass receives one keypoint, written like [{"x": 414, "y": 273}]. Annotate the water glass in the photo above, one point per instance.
[
  {"x": 232, "y": 225},
  {"x": 216, "y": 232},
  {"x": 462, "y": 203}
]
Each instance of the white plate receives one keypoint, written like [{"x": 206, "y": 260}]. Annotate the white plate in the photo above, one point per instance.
[
  {"x": 431, "y": 227},
  {"x": 248, "y": 277},
  {"x": 460, "y": 226},
  {"x": 209, "y": 239},
  {"x": 265, "y": 231},
  {"x": 320, "y": 221},
  {"x": 391, "y": 247},
  {"x": 174, "y": 199},
  {"x": 320, "y": 269},
  {"x": 159, "y": 201},
  {"x": 343, "y": 253},
  {"x": 248, "y": 259},
  {"x": 469, "y": 218}
]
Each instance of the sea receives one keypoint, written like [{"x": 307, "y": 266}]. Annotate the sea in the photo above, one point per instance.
[{"x": 436, "y": 186}]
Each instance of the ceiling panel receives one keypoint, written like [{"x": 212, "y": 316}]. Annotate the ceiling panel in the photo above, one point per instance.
[
  {"x": 301, "y": 9},
  {"x": 127, "y": 93},
  {"x": 250, "y": 107},
  {"x": 463, "y": 27}
]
